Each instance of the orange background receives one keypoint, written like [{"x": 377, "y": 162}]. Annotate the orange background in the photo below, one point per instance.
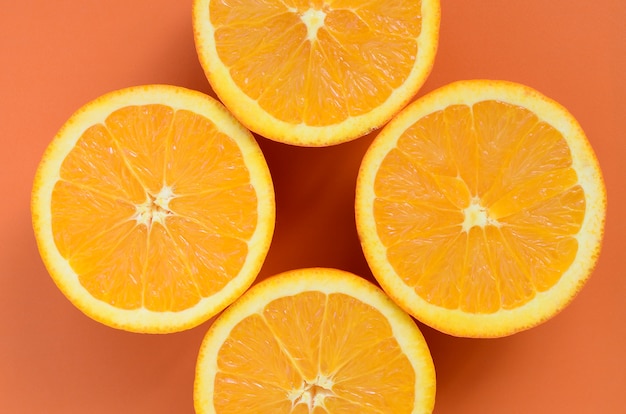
[{"x": 58, "y": 55}]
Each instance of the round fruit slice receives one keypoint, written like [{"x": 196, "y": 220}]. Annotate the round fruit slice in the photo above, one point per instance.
[
  {"x": 481, "y": 208},
  {"x": 314, "y": 341},
  {"x": 315, "y": 73},
  {"x": 153, "y": 208}
]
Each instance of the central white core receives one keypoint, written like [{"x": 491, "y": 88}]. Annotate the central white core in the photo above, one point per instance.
[
  {"x": 155, "y": 208},
  {"x": 313, "y": 19},
  {"x": 477, "y": 215},
  {"x": 313, "y": 393}
]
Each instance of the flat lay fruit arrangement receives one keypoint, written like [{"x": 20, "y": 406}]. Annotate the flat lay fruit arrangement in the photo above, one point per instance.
[{"x": 480, "y": 207}]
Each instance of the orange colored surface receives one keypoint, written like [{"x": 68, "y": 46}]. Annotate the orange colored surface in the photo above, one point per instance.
[{"x": 56, "y": 56}]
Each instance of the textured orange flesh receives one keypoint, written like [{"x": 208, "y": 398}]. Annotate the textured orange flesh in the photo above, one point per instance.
[
  {"x": 296, "y": 340},
  {"x": 349, "y": 66},
  {"x": 178, "y": 253},
  {"x": 503, "y": 159}
]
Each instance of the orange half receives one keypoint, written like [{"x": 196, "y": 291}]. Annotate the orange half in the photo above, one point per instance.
[
  {"x": 315, "y": 73},
  {"x": 153, "y": 208},
  {"x": 314, "y": 341},
  {"x": 481, "y": 208}
]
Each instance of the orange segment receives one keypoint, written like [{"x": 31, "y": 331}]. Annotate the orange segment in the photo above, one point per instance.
[
  {"x": 315, "y": 72},
  {"x": 153, "y": 208},
  {"x": 297, "y": 322},
  {"x": 120, "y": 251},
  {"x": 215, "y": 258},
  {"x": 201, "y": 158},
  {"x": 314, "y": 341},
  {"x": 481, "y": 208},
  {"x": 220, "y": 211},
  {"x": 96, "y": 163},
  {"x": 141, "y": 134}
]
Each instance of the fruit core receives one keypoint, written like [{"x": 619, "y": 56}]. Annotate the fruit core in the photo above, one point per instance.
[
  {"x": 477, "y": 215},
  {"x": 313, "y": 19},
  {"x": 313, "y": 393},
  {"x": 156, "y": 207}
]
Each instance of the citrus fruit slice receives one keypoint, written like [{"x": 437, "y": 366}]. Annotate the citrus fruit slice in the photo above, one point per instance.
[
  {"x": 318, "y": 341},
  {"x": 481, "y": 208},
  {"x": 315, "y": 73},
  {"x": 153, "y": 208}
]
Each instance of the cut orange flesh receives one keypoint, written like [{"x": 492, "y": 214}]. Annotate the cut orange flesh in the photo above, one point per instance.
[
  {"x": 314, "y": 341},
  {"x": 481, "y": 208},
  {"x": 153, "y": 208},
  {"x": 315, "y": 72}
]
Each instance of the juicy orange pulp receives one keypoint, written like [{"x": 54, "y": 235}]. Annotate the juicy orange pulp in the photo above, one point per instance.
[
  {"x": 490, "y": 220},
  {"x": 314, "y": 341},
  {"x": 135, "y": 217},
  {"x": 315, "y": 73},
  {"x": 303, "y": 340},
  {"x": 353, "y": 61}
]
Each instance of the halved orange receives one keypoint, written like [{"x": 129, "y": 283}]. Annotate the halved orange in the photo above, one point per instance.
[
  {"x": 481, "y": 208},
  {"x": 316, "y": 72},
  {"x": 153, "y": 208},
  {"x": 314, "y": 340}
]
